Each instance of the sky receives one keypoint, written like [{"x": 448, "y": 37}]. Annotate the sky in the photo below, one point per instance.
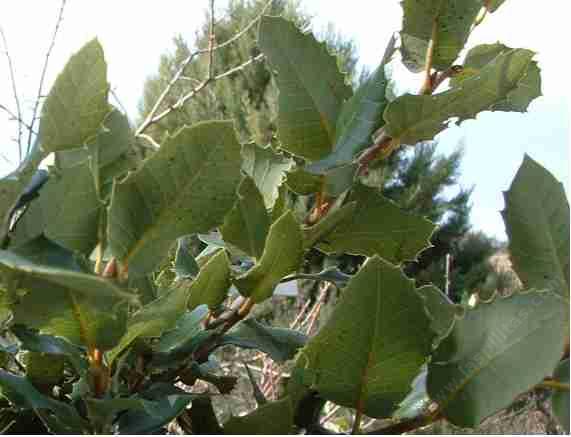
[{"x": 135, "y": 33}]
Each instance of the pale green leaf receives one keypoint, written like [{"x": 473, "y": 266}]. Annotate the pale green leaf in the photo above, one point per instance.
[
  {"x": 247, "y": 224},
  {"x": 185, "y": 265},
  {"x": 471, "y": 374},
  {"x": 59, "y": 299},
  {"x": 373, "y": 344},
  {"x": 445, "y": 23},
  {"x": 212, "y": 283},
  {"x": 414, "y": 118},
  {"x": 282, "y": 255},
  {"x": 67, "y": 211},
  {"x": 77, "y": 103},
  {"x": 537, "y": 224},
  {"x": 267, "y": 168},
  {"x": 377, "y": 227},
  {"x": 303, "y": 183},
  {"x": 312, "y": 90},
  {"x": 188, "y": 186}
]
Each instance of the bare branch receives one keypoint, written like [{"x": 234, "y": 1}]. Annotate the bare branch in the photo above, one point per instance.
[
  {"x": 14, "y": 117},
  {"x": 14, "y": 91},
  {"x": 152, "y": 117},
  {"x": 44, "y": 69}
]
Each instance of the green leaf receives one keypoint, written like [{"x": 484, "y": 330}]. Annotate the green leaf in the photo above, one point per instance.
[
  {"x": 267, "y": 168},
  {"x": 280, "y": 344},
  {"x": 414, "y": 118},
  {"x": 282, "y": 255},
  {"x": 104, "y": 411},
  {"x": 187, "y": 327},
  {"x": 312, "y": 90},
  {"x": 537, "y": 223},
  {"x": 247, "y": 224},
  {"x": 441, "y": 310},
  {"x": 48, "y": 344},
  {"x": 471, "y": 373},
  {"x": 59, "y": 300},
  {"x": 325, "y": 226},
  {"x": 372, "y": 346},
  {"x": 185, "y": 266},
  {"x": 188, "y": 186},
  {"x": 417, "y": 401},
  {"x": 560, "y": 399},
  {"x": 303, "y": 183},
  {"x": 44, "y": 370},
  {"x": 23, "y": 394},
  {"x": 13, "y": 184},
  {"x": 212, "y": 283},
  {"x": 77, "y": 103},
  {"x": 166, "y": 403},
  {"x": 153, "y": 319},
  {"x": 377, "y": 227},
  {"x": 271, "y": 418},
  {"x": 360, "y": 117},
  {"x": 518, "y": 99},
  {"x": 67, "y": 211},
  {"x": 444, "y": 23}
]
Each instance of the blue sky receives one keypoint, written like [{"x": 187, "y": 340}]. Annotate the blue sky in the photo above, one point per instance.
[{"x": 134, "y": 34}]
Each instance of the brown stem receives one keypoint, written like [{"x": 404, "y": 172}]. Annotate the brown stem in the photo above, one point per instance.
[
  {"x": 427, "y": 85},
  {"x": 98, "y": 372},
  {"x": 110, "y": 270}
]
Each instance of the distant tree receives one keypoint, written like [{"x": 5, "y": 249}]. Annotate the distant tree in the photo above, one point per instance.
[{"x": 248, "y": 96}]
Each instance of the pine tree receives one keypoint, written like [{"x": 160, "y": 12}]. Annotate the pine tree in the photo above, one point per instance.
[{"x": 249, "y": 96}]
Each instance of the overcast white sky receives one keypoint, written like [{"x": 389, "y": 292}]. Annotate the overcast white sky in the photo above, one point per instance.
[{"x": 135, "y": 33}]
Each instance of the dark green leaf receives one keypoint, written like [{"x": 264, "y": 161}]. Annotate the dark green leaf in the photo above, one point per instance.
[
  {"x": 247, "y": 224},
  {"x": 312, "y": 90},
  {"x": 24, "y": 395},
  {"x": 35, "y": 342},
  {"x": 377, "y": 227},
  {"x": 360, "y": 117},
  {"x": 167, "y": 402},
  {"x": 282, "y": 255},
  {"x": 203, "y": 417},
  {"x": 537, "y": 224},
  {"x": 271, "y": 418},
  {"x": 373, "y": 344},
  {"x": 325, "y": 226},
  {"x": 560, "y": 399},
  {"x": 280, "y": 344},
  {"x": 441, "y": 310},
  {"x": 188, "y": 186},
  {"x": 444, "y": 24},
  {"x": 77, "y": 103},
  {"x": 471, "y": 374},
  {"x": 414, "y": 118},
  {"x": 187, "y": 327}
]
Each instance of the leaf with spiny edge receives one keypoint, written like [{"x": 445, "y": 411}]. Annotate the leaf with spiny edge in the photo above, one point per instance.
[
  {"x": 486, "y": 345},
  {"x": 312, "y": 90},
  {"x": 414, "y": 118},
  {"x": 373, "y": 344},
  {"x": 537, "y": 223},
  {"x": 187, "y": 187}
]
